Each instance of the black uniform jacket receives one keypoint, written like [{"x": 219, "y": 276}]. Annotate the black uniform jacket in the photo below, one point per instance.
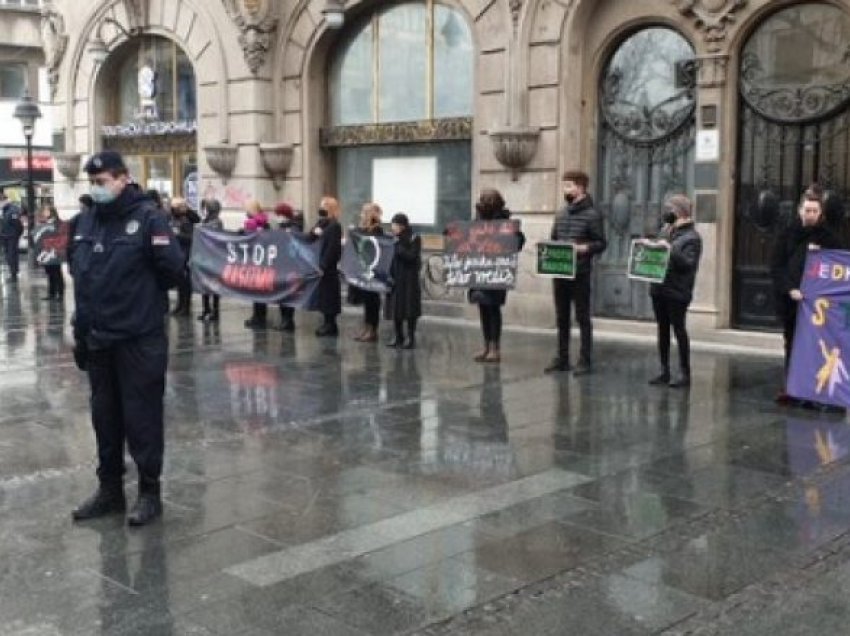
[
  {"x": 123, "y": 258},
  {"x": 685, "y": 252}
]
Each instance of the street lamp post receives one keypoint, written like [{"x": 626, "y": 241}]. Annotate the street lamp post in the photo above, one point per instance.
[{"x": 28, "y": 112}]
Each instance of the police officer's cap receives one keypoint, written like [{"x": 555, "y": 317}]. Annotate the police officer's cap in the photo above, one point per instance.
[{"x": 105, "y": 161}]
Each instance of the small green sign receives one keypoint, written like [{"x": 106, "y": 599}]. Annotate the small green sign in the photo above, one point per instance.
[
  {"x": 556, "y": 259},
  {"x": 648, "y": 260}
]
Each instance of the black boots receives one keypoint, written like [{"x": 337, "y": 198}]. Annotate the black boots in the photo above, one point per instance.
[
  {"x": 661, "y": 379},
  {"x": 399, "y": 341},
  {"x": 108, "y": 500}
]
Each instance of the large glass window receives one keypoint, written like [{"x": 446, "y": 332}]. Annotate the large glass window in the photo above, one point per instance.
[
  {"x": 165, "y": 92},
  {"x": 13, "y": 80},
  {"x": 408, "y": 62}
]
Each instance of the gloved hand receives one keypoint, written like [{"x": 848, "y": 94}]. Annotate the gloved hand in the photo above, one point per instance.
[{"x": 81, "y": 355}]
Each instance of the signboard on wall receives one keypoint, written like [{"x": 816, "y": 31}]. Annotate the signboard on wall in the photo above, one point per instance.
[{"x": 406, "y": 184}]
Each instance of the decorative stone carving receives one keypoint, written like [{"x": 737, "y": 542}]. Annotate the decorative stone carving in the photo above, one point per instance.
[
  {"x": 54, "y": 41},
  {"x": 712, "y": 70},
  {"x": 222, "y": 159},
  {"x": 68, "y": 164},
  {"x": 712, "y": 17},
  {"x": 139, "y": 14},
  {"x": 514, "y": 146},
  {"x": 516, "y": 7},
  {"x": 277, "y": 158},
  {"x": 454, "y": 129},
  {"x": 257, "y": 26}
]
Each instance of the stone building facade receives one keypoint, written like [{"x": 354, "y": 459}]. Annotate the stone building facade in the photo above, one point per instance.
[{"x": 419, "y": 104}]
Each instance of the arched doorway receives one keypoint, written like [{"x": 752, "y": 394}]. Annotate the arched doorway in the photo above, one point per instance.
[
  {"x": 793, "y": 130},
  {"x": 645, "y": 153},
  {"x": 400, "y": 86},
  {"x": 149, "y": 111}
]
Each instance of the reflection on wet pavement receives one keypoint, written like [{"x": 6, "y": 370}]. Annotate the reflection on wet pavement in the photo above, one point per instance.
[{"x": 321, "y": 487}]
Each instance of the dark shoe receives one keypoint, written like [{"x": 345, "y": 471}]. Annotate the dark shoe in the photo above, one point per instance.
[
  {"x": 147, "y": 508},
  {"x": 396, "y": 343},
  {"x": 287, "y": 325},
  {"x": 558, "y": 365},
  {"x": 253, "y": 323},
  {"x": 582, "y": 369},
  {"x": 661, "y": 379},
  {"x": 783, "y": 399},
  {"x": 481, "y": 357},
  {"x": 106, "y": 501},
  {"x": 682, "y": 383},
  {"x": 204, "y": 316},
  {"x": 410, "y": 343},
  {"x": 495, "y": 356},
  {"x": 48, "y": 297},
  {"x": 214, "y": 316},
  {"x": 326, "y": 331}
]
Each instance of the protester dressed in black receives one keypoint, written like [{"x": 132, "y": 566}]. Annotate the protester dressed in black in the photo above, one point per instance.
[
  {"x": 48, "y": 216},
  {"x": 292, "y": 221},
  {"x": 807, "y": 231},
  {"x": 183, "y": 220},
  {"x": 123, "y": 260},
  {"x": 404, "y": 303},
  {"x": 328, "y": 296},
  {"x": 671, "y": 298},
  {"x": 579, "y": 223},
  {"x": 212, "y": 221},
  {"x": 491, "y": 207}
]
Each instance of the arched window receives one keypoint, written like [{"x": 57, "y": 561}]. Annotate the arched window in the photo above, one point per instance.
[
  {"x": 401, "y": 89},
  {"x": 408, "y": 62}
]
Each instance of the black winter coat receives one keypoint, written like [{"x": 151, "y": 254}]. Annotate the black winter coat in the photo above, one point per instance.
[
  {"x": 581, "y": 224},
  {"x": 685, "y": 253},
  {"x": 494, "y": 297},
  {"x": 123, "y": 258},
  {"x": 405, "y": 300},
  {"x": 789, "y": 256},
  {"x": 328, "y": 297}
]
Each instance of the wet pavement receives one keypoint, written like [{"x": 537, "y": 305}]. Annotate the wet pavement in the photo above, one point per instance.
[{"x": 330, "y": 487}]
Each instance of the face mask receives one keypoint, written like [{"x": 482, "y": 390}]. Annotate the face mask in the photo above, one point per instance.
[
  {"x": 102, "y": 195},
  {"x": 323, "y": 213},
  {"x": 569, "y": 198},
  {"x": 669, "y": 217}
]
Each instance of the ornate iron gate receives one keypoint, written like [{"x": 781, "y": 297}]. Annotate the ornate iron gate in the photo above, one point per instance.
[
  {"x": 646, "y": 141},
  {"x": 793, "y": 131}
]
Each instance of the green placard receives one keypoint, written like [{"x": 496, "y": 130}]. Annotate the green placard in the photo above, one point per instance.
[
  {"x": 648, "y": 260},
  {"x": 556, "y": 259}
]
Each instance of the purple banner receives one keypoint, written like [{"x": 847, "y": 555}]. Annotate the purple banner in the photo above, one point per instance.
[{"x": 820, "y": 359}]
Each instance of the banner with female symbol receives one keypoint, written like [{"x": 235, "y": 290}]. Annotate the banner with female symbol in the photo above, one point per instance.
[
  {"x": 366, "y": 261},
  {"x": 820, "y": 359}
]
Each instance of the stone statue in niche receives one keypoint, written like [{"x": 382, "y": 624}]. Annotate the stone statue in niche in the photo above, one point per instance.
[{"x": 54, "y": 40}]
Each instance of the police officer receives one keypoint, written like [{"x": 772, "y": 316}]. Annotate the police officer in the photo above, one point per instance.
[
  {"x": 11, "y": 229},
  {"x": 123, "y": 260}
]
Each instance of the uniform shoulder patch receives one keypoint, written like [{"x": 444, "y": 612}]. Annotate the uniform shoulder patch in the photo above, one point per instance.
[
  {"x": 132, "y": 226},
  {"x": 160, "y": 240}
]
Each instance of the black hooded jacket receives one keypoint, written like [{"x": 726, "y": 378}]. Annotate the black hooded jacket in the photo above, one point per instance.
[
  {"x": 685, "y": 253},
  {"x": 123, "y": 259},
  {"x": 789, "y": 256},
  {"x": 581, "y": 224}
]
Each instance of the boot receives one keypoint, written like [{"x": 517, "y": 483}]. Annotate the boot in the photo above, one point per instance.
[
  {"x": 662, "y": 378},
  {"x": 398, "y": 339},
  {"x": 107, "y": 500},
  {"x": 683, "y": 382},
  {"x": 495, "y": 355},
  {"x": 204, "y": 315},
  {"x": 410, "y": 343},
  {"x": 328, "y": 329},
  {"x": 148, "y": 506},
  {"x": 287, "y": 323},
  {"x": 558, "y": 365},
  {"x": 481, "y": 357}
]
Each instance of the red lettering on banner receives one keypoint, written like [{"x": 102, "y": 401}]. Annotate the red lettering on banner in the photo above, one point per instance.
[{"x": 249, "y": 278}]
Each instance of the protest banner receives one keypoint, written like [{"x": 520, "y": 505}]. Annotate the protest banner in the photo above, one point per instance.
[
  {"x": 51, "y": 243},
  {"x": 556, "y": 259},
  {"x": 818, "y": 369},
  {"x": 366, "y": 261},
  {"x": 264, "y": 267},
  {"x": 482, "y": 254},
  {"x": 648, "y": 260}
]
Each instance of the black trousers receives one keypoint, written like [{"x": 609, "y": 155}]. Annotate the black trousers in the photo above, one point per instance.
[
  {"x": 260, "y": 312},
  {"x": 491, "y": 323},
  {"x": 10, "y": 250},
  {"x": 127, "y": 390},
  {"x": 672, "y": 314},
  {"x": 211, "y": 303},
  {"x": 568, "y": 293},
  {"x": 55, "y": 281},
  {"x": 371, "y": 308},
  {"x": 184, "y": 291},
  {"x": 788, "y": 314}
]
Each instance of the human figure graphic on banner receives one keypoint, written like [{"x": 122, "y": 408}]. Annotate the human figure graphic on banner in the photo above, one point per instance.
[{"x": 833, "y": 372}]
